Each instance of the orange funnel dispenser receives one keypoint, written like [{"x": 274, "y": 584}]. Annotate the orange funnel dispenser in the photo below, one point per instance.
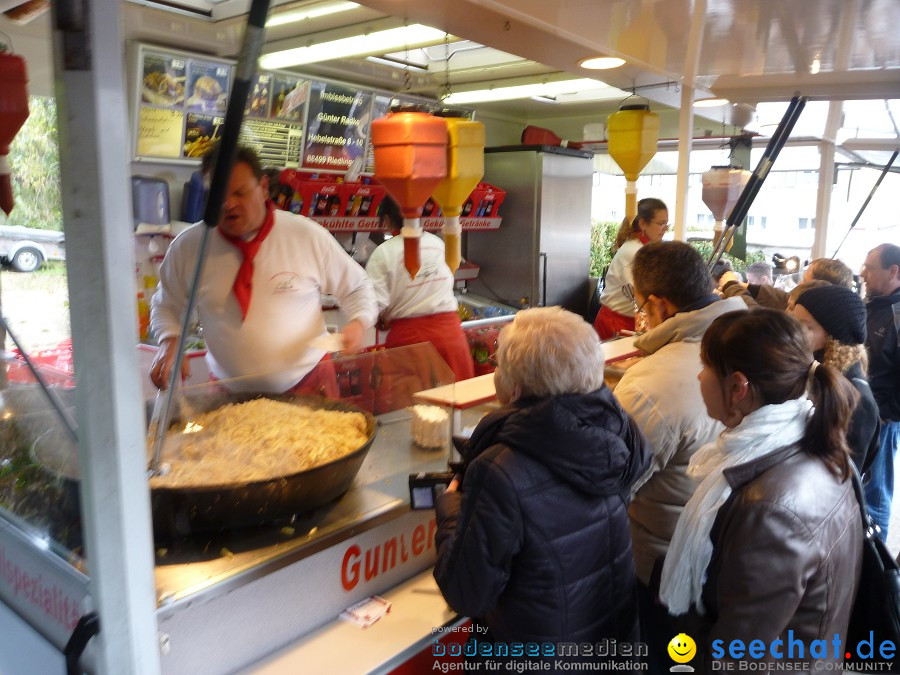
[
  {"x": 633, "y": 133},
  {"x": 13, "y": 113},
  {"x": 465, "y": 167},
  {"x": 410, "y": 160}
]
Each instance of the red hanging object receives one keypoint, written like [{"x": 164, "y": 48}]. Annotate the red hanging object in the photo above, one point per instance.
[{"x": 13, "y": 113}]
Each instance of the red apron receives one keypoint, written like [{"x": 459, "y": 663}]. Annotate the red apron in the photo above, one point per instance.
[
  {"x": 444, "y": 331},
  {"x": 320, "y": 381},
  {"x": 608, "y": 323},
  {"x": 407, "y": 372}
]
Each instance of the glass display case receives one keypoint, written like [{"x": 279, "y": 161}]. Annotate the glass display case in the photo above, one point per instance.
[{"x": 296, "y": 567}]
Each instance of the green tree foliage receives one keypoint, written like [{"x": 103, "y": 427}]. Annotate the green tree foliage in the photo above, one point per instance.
[
  {"x": 603, "y": 236},
  {"x": 706, "y": 248},
  {"x": 34, "y": 160}
]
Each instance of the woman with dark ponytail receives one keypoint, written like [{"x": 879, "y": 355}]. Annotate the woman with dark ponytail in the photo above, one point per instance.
[
  {"x": 769, "y": 547},
  {"x": 617, "y": 309}
]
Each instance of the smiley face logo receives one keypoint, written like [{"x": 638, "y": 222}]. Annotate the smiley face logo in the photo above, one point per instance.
[{"x": 682, "y": 648}]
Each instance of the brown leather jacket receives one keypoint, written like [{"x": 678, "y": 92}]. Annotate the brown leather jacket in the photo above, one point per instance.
[{"x": 787, "y": 551}]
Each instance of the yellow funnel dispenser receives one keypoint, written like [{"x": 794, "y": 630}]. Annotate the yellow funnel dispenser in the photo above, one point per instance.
[
  {"x": 633, "y": 133},
  {"x": 465, "y": 167}
]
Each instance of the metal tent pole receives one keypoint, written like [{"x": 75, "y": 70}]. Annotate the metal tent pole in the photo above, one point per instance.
[{"x": 115, "y": 503}]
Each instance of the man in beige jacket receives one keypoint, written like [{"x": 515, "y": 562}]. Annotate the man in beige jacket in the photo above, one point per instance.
[{"x": 661, "y": 392}]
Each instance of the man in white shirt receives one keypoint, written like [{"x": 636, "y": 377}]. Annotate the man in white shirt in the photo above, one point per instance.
[{"x": 259, "y": 298}]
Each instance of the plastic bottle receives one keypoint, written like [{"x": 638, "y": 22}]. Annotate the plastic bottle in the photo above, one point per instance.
[
  {"x": 410, "y": 160},
  {"x": 465, "y": 167},
  {"x": 143, "y": 316}
]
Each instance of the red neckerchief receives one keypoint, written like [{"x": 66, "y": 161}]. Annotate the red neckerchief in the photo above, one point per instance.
[
  {"x": 644, "y": 239},
  {"x": 243, "y": 282}
]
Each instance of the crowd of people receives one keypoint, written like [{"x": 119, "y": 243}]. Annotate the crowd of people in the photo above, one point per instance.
[
  {"x": 736, "y": 488},
  {"x": 709, "y": 494}
]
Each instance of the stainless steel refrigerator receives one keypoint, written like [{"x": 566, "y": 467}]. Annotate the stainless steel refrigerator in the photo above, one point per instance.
[{"x": 541, "y": 254}]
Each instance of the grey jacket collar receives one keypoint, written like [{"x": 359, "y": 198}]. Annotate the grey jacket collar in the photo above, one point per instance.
[{"x": 686, "y": 326}]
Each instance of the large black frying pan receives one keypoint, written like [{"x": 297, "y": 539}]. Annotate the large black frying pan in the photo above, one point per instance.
[{"x": 185, "y": 510}]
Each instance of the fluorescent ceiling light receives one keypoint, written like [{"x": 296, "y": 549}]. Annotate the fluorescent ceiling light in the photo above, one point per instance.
[
  {"x": 310, "y": 13},
  {"x": 548, "y": 89},
  {"x": 397, "y": 63},
  {"x": 601, "y": 63},
  {"x": 710, "y": 102},
  {"x": 378, "y": 42}
]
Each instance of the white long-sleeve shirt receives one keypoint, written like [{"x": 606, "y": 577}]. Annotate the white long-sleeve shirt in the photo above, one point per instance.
[
  {"x": 400, "y": 297},
  {"x": 297, "y": 262},
  {"x": 619, "y": 274}
]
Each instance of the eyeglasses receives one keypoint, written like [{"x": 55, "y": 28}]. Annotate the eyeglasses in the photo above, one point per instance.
[
  {"x": 492, "y": 360},
  {"x": 664, "y": 225},
  {"x": 628, "y": 292}
]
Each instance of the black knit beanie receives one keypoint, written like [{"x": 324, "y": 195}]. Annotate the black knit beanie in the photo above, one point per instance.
[{"x": 840, "y": 311}]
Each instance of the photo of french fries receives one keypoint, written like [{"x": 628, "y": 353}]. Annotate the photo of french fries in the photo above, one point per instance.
[{"x": 200, "y": 146}]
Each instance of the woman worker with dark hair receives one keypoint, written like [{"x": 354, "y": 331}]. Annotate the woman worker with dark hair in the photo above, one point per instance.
[{"x": 617, "y": 309}]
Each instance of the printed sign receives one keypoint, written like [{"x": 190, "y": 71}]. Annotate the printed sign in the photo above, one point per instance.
[
  {"x": 159, "y": 132},
  {"x": 201, "y": 133},
  {"x": 289, "y": 97},
  {"x": 208, "y": 86},
  {"x": 337, "y": 124},
  {"x": 163, "y": 80},
  {"x": 277, "y": 143}
]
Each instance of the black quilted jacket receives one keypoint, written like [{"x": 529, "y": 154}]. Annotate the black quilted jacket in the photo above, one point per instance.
[{"x": 537, "y": 545}]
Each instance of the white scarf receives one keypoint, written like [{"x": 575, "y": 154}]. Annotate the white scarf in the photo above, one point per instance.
[{"x": 759, "y": 433}]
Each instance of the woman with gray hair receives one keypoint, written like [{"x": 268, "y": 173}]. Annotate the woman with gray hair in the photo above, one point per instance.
[{"x": 533, "y": 540}]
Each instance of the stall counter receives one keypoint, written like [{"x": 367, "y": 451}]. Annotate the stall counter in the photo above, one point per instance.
[
  {"x": 417, "y": 618},
  {"x": 227, "y": 600}
]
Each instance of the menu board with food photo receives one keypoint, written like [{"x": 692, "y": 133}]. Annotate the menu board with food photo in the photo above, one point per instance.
[
  {"x": 258, "y": 101},
  {"x": 163, "y": 80},
  {"x": 337, "y": 123},
  {"x": 207, "y": 86},
  {"x": 289, "y": 96},
  {"x": 201, "y": 133}
]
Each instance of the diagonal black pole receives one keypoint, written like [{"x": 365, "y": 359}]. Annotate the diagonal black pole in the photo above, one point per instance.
[
  {"x": 748, "y": 194},
  {"x": 254, "y": 35}
]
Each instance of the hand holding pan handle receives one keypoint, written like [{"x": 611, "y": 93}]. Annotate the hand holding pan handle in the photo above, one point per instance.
[{"x": 234, "y": 115}]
